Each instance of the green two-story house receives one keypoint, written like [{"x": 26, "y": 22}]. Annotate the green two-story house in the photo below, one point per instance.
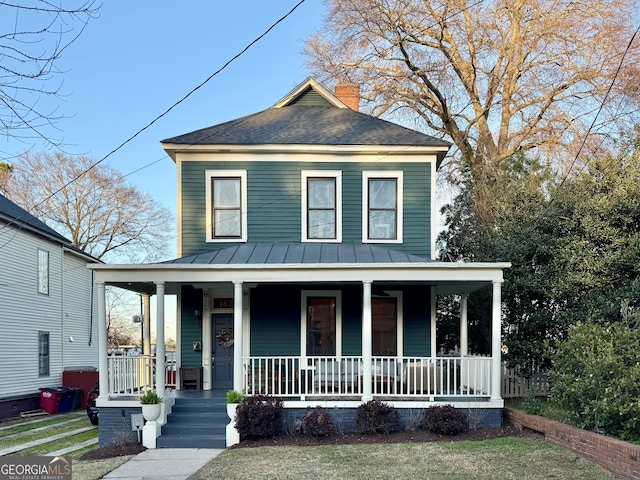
[{"x": 306, "y": 269}]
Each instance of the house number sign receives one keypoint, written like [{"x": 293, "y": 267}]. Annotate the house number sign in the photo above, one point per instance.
[{"x": 223, "y": 303}]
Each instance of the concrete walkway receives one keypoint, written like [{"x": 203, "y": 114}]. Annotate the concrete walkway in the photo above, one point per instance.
[{"x": 164, "y": 464}]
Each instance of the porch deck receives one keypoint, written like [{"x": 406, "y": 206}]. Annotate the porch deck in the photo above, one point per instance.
[{"x": 423, "y": 379}]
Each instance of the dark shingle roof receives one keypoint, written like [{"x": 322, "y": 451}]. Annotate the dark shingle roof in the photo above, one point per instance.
[
  {"x": 20, "y": 217},
  {"x": 308, "y": 125},
  {"x": 299, "y": 253}
]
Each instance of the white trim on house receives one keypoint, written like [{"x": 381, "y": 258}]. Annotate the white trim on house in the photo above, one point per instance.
[
  {"x": 448, "y": 277},
  {"x": 308, "y": 153},
  {"x": 211, "y": 174},
  {"x": 310, "y": 82},
  {"x": 433, "y": 213}
]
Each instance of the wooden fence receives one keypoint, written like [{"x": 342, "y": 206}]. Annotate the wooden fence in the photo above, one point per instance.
[{"x": 516, "y": 385}]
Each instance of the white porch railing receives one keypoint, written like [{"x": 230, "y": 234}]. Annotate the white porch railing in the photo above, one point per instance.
[
  {"x": 130, "y": 375},
  {"x": 406, "y": 377}
]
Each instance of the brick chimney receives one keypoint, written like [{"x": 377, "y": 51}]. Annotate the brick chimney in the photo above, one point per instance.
[{"x": 349, "y": 94}]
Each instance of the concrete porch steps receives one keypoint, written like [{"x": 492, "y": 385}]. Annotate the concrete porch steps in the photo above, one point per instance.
[{"x": 196, "y": 423}]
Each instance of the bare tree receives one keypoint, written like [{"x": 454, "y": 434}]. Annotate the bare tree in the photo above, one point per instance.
[
  {"x": 120, "y": 327},
  {"x": 93, "y": 206},
  {"x": 37, "y": 34},
  {"x": 494, "y": 76}
]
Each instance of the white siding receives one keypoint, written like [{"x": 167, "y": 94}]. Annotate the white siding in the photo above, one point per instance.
[
  {"x": 79, "y": 321},
  {"x": 24, "y": 312}
]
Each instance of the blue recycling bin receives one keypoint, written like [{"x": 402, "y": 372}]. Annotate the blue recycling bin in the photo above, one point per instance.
[{"x": 66, "y": 400}]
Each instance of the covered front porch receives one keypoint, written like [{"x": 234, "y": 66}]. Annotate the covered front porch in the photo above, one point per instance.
[{"x": 250, "y": 323}]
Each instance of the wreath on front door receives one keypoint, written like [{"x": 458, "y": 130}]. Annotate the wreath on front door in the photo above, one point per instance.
[{"x": 224, "y": 336}]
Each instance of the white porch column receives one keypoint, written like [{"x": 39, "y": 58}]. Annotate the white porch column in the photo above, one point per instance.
[
  {"x": 464, "y": 336},
  {"x": 160, "y": 349},
  {"x": 146, "y": 334},
  {"x": 146, "y": 324},
  {"x": 496, "y": 342},
  {"x": 238, "y": 337},
  {"x": 366, "y": 342},
  {"x": 103, "y": 367}
]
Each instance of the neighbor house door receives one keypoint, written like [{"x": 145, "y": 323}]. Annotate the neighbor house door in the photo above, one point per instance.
[{"x": 222, "y": 350}]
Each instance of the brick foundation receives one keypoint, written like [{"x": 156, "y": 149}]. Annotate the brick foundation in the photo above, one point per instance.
[
  {"x": 115, "y": 426},
  {"x": 620, "y": 458}
]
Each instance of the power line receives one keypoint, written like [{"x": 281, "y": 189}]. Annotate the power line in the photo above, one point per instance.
[{"x": 152, "y": 122}]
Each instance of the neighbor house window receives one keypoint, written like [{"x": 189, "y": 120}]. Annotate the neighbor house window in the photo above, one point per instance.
[
  {"x": 321, "y": 324},
  {"x": 226, "y": 206},
  {"x": 382, "y": 207},
  {"x": 322, "y": 206},
  {"x": 43, "y": 353},
  {"x": 43, "y": 272}
]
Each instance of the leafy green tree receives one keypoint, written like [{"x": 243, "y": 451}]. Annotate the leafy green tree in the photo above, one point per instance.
[
  {"x": 574, "y": 245},
  {"x": 596, "y": 376},
  {"x": 518, "y": 197}
]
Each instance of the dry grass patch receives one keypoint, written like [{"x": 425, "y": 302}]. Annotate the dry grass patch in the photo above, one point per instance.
[
  {"x": 507, "y": 458},
  {"x": 96, "y": 469}
]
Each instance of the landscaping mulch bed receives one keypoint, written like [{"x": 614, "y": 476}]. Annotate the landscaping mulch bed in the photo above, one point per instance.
[
  {"x": 129, "y": 448},
  {"x": 345, "y": 438}
]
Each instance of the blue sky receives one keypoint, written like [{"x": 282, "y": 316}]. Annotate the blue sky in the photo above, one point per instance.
[{"x": 139, "y": 58}]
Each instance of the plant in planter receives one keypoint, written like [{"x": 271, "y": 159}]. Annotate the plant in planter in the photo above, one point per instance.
[
  {"x": 233, "y": 400},
  {"x": 234, "y": 396},
  {"x": 151, "y": 407}
]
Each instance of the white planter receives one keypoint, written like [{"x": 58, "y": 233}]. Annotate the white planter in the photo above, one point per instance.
[
  {"x": 231, "y": 410},
  {"x": 233, "y": 436},
  {"x": 151, "y": 412}
]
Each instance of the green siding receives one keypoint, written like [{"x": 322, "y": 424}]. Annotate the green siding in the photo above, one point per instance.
[
  {"x": 274, "y": 202},
  {"x": 275, "y": 325},
  {"x": 352, "y": 321},
  {"x": 275, "y": 320},
  {"x": 191, "y": 327},
  {"x": 417, "y": 322},
  {"x": 311, "y": 98}
]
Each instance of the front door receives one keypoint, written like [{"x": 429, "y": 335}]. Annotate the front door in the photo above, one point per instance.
[{"x": 222, "y": 351}]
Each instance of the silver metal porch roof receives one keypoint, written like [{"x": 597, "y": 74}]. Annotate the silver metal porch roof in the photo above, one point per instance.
[{"x": 300, "y": 253}]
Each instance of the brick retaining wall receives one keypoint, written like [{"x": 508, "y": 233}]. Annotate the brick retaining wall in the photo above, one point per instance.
[{"x": 617, "y": 456}]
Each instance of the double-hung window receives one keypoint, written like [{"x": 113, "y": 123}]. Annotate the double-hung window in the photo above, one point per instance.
[
  {"x": 382, "y": 207},
  {"x": 322, "y": 206},
  {"x": 226, "y": 205},
  {"x": 43, "y": 272}
]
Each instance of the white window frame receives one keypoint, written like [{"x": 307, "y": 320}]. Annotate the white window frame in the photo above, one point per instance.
[
  {"x": 44, "y": 269},
  {"x": 337, "y": 294},
  {"x": 305, "y": 175},
  {"x": 209, "y": 176},
  {"x": 381, "y": 174}
]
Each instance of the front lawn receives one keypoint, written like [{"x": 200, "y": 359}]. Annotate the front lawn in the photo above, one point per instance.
[{"x": 504, "y": 458}]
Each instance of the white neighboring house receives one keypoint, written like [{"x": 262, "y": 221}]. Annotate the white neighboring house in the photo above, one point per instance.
[{"x": 48, "y": 309}]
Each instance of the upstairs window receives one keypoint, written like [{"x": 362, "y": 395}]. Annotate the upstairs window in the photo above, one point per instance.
[
  {"x": 382, "y": 207},
  {"x": 226, "y": 206},
  {"x": 43, "y": 272},
  {"x": 322, "y": 206}
]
